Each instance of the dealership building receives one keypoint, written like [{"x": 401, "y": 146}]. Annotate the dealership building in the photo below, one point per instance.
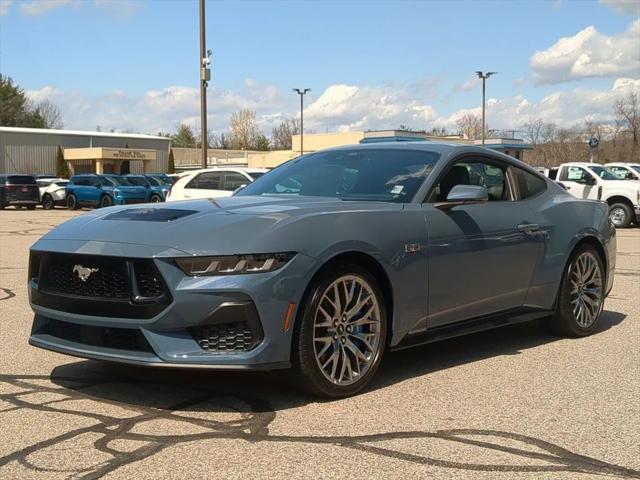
[{"x": 34, "y": 150}]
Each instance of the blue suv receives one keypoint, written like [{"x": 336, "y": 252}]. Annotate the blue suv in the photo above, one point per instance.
[
  {"x": 102, "y": 191},
  {"x": 157, "y": 187}
]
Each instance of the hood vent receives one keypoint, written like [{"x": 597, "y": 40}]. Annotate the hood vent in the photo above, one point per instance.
[{"x": 150, "y": 214}]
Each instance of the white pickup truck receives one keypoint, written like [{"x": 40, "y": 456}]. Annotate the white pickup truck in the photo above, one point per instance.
[
  {"x": 629, "y": 171},
  {"x": 595, "y": 182}
]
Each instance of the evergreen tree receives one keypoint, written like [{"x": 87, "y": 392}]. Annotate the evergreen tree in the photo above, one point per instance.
[
  {"x": 171, "y": 167},
  {"x": 62, "y": 168}
]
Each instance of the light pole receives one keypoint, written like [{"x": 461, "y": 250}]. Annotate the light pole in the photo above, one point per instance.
[
  {"x": 302, "y": 92},
  {"x": 205, "y": 76},
  {"x": 484, "y": 77}
]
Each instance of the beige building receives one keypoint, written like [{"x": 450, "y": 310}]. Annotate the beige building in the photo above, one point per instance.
[{"x": 107, "y": 160}]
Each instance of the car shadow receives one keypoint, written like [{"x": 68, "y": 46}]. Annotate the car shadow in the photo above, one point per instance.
[
  {"x": 278, "y": 388},
  {"x": 155, "y": 409}
]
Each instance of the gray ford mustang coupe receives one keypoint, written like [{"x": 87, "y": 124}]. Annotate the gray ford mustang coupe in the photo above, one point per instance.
[{"x": 325, "y": 263}]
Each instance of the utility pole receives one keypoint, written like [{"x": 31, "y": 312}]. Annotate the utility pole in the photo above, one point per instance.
[
  {"x": 484, "y": 77},
  {"x": 302, "y": 92},
  {"x": 205, "y": 76}
]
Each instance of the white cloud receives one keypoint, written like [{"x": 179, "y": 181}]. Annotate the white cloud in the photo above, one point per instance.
[
  {"x": 624, "y": 7},
  {"x": 350, "y": 107},
  {"x": 564, "y": 108},
  {"x": 40, "y": 7},
  {"x": 337, "y": 108},
  {"x": 4, "y": 6},
  {"x": 589, "y": 53}
]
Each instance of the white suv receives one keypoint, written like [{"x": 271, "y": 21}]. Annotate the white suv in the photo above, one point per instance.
[
  {"x": 628, "y": 171},
  {"x": 52, "y": 192},
  {"x": 213, "y": 182},
  {"x": 596, "y": 182}
]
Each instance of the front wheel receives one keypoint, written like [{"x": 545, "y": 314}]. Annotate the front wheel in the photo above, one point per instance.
[
  {"x": 47, "y": 202},
  {"x": 581, "y": 296},
  {"x": 72, "y": 202},
  {"x": 341, "y": 334},
  {"x": 620, "y": 215},
  {"x": 156, "y": 199},
  {"x": 105, "y": 201}
]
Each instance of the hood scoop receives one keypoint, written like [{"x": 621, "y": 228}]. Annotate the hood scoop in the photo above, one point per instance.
[{"x": 150, "y": 214}]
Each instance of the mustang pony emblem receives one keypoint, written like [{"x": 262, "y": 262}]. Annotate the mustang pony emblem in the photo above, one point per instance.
[{"x": 84, "y": 272}]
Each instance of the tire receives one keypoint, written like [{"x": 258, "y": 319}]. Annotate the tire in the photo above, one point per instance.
[
  {"x": 581, "y": 296},
  {"x": 156, "y": 199},
  {"x": 342, "y": 338},
  {"x": 105, "y": 201},
  {"x": 47, "y": 202},
  {"x": 72, "y": 202},
  {"x": 620, "y": 215}
]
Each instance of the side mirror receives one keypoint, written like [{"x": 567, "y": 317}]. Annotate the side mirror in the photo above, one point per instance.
[
  {"x": 464, "y": 195},
  {"x": 590, "y": 180},
  {"x": 631, "y": 176}
]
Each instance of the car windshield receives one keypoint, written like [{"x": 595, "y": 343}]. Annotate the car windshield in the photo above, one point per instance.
[
  {"x": 604, "y": 173},
  {"x": 158, "y": 181},
  {"x": 389, "y": 175},
  {"x": 137, "y": 181},
  {"x": 62, "y": 183},
  {"x": 255, "y": 175},
  {"x": 635, "y": 167}
]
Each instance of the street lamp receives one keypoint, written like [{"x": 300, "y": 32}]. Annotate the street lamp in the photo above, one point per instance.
[
  {"x": 205, "y": 76},
  {"x": 484, "y": 77},
  {"x": 302, "y": 92}
]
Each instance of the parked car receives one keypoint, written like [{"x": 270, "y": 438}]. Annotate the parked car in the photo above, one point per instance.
[
  {"x": 102, "y": 191},
  {"x": 52, "y": 192},
  {"x": 324, "y": 263},
  {"x": 628, "y": 171},
  {"x": 19, "y": 190},
  {"x": 213, "y": 182},
  {"x": 596, "y": 182},
  {"x": 156, "y": 190}
]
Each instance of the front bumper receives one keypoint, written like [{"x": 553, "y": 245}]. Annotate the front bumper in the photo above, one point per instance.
[
  {"x": 128, "y": 200},
  {"x": 183, "y": 333}
]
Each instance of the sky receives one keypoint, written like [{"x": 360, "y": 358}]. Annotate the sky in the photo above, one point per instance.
[{"x": 133, "y": 65}]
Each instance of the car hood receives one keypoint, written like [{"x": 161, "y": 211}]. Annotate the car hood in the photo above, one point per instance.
[{"x": 241, "y": 224}]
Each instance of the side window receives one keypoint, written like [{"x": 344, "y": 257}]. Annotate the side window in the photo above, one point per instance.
[
  {"x": 474, "y": 172},
  {"x": 233, "y": 180},
  {"x": 574, "y": 174},
  {"x": 80, "y": 181},
  {"x": 208, "y": 181},
  {"x": 528, "y": 184}
]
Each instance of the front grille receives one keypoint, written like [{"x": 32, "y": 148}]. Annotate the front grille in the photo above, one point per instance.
[
  {"x": 87, "y": 277},
  {"x": 98, "y": 285},
  {"x": 107, "y": 337},
  {"x": 149, "y": 283},
  {"x": 225, "y": 338}
]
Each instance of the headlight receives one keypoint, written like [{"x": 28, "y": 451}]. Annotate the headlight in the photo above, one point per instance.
[
  {"x": 234, "y": 264},
  {"x": 116, "y": 192}
]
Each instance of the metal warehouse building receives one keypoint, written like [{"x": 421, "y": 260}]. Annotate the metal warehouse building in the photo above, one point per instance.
[{"x": 34, "y": 150}]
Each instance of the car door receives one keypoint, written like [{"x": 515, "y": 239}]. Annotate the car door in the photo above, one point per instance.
[
  {"x": 481, "y": 256},
  {"x": 80, "y": 188},
  {"x": 579, "y": 182}
]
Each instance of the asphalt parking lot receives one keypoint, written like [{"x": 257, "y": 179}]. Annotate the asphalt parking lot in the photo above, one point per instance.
[{"x": 510, "y": 403}]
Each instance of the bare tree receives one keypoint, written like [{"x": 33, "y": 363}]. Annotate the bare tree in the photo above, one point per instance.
[
  {"x": 470, "y": 126},
  {"x": 244, "y": 131},
  {"x": 50, "y": 113},
  {"x": 627, "y": 112},
  {"x": 281, "y": 134},
  {"x": 220, "y": 141}
]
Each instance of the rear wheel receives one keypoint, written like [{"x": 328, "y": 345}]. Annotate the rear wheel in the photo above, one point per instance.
[
  {"x": 47, "y": 202},
  {"x": 105, "y": 201},
  {"x": 581, "y": 296},
  {"x": 341, "y": 336},
  {"x": 72, "y": 202},
  {"x": 620, "y": 215},
  {"x": 156, "y": 199}
]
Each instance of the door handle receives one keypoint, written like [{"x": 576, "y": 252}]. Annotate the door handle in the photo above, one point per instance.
[{"x": 528, "y": 227}]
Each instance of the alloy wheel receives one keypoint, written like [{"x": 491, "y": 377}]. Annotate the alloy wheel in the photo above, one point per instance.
[
  {"x": 346, "y": 330},
  {"x": 586, "y": 289},
  {"x": 618, "y": 216}
]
